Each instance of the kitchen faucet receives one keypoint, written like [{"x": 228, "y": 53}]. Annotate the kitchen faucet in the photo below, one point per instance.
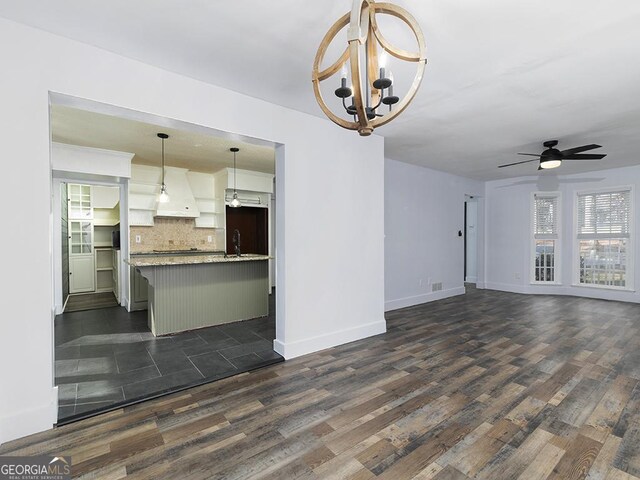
[{"x": 236, "y": 241}]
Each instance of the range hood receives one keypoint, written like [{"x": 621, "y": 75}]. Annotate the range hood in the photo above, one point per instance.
[{"x": 181, "y": 201}]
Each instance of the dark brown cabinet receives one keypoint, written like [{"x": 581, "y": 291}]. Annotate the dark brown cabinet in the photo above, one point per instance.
[{"x": 253, "y": 225}]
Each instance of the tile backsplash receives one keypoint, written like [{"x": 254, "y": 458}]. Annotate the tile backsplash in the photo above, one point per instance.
[{"x": 172, "y": 234}]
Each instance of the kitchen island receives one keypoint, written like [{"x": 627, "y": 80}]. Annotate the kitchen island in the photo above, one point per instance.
[{"x": 187, "y": 292}]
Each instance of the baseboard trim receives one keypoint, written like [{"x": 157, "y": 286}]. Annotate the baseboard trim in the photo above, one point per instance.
[
  {"x": 505, "y": 287},
  {"x": 570, "y": 291},
  {"x": 27, "y": 422},
  {"x": 424, "y": 298},
  {"x": 309, "y": 345},
  {"x": 60, "y": 308}
]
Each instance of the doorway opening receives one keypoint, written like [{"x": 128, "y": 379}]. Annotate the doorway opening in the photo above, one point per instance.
[
  {"x": 470, "y": 239},
  {"x": 107, "y": 356},
  {"x": 90, "y": 234}
]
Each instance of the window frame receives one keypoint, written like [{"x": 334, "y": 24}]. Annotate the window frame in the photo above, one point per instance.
[
  {"x": 557, "y": 249},
  {"x": 575, "y": 254}
]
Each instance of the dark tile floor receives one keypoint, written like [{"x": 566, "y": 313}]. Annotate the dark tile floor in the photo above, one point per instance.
[{"x": 108, "y": 357}]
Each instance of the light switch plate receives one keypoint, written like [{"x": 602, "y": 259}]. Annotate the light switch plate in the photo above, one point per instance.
[
  {"x": 209, "y": 238},
  {"x": 138, "y": 239}
]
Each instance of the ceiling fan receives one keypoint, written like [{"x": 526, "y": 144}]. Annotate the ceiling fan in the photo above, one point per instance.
[{"x": 552, "y": 157}]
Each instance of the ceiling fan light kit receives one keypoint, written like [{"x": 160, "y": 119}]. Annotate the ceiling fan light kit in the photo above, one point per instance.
[
  {"x": 370, "y": 85},
  {"x": 548, "y": 163},
  {"x": 553, "y": 158}
]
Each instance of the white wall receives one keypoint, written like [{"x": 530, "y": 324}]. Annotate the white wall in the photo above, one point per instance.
[
  {"x": 424, "y": 210},
  {"x": 327, "y": 294},
  {"x": 508, "y": 239}
]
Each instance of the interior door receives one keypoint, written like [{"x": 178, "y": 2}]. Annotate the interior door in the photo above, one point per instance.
[{"x": 81, "y": 259}]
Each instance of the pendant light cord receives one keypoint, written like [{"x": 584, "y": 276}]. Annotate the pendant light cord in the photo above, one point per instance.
[
  {"x": 162, "y": 162},
  {"x": 235, "y": 190}
]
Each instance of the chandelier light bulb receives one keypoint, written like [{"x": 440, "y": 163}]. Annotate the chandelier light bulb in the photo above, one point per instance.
[{"x": 382, "y": 61}]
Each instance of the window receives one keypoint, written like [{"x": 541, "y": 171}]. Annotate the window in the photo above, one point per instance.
[
  {"x": 604, "y": 236},
  {"x": 545, "y": 237}
]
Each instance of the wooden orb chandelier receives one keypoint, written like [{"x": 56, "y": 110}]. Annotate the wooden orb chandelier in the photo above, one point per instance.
[{"x": 372, "y": 86}]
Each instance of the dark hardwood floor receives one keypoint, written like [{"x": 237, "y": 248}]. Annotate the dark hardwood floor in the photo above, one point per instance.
[
  {"x": 489, "y": 385},
  {"x": 90, "y": 301}
]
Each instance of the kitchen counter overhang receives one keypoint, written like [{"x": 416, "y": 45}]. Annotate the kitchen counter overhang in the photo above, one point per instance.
[
  {"x": 188, "y": 292},
  {"x": 153, "y": 259}
]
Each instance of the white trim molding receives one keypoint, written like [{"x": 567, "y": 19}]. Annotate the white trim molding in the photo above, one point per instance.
[
  {"x": 328, "y": 340},
  {"x": 424, "y": 298}
]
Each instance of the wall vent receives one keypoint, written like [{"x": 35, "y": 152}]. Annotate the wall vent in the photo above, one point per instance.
[{"x": 436, "y": 287}]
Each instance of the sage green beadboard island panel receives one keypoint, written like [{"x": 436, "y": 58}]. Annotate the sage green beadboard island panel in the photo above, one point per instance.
[{"x": 190, "y": 296}]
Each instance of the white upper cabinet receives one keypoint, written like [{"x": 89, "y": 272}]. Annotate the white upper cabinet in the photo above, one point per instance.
[
  {"x": 144, "y": 189},
  {"x": 246, "y": 180},
  {"x": 80, "y": 205}
]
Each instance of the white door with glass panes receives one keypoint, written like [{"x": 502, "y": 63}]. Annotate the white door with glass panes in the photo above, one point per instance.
[{"x": 81, "y": 258}]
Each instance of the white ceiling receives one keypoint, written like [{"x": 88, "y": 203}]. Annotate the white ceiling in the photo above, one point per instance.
[
  {"x": 502, "y": 76},
  {"x": 187, "y": 149}
]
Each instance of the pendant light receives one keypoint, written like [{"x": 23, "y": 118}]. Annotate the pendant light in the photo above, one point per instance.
[
  {"x": 235, "y": 203},
  {"x": 164, "y": 196}
]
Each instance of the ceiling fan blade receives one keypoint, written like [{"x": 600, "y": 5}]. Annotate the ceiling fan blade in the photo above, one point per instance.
[
  {"x": 517, "y": 163},
  {"x": 583, "y": 148},
  {"x": 530, "y": 154},
  {"x": 585, "y": 156}
]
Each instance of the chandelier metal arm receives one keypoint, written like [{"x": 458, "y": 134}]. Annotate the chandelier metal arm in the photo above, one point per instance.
[{"x": 379, "y": 103}]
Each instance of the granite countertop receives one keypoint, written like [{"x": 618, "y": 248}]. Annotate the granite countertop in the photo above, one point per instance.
[{"x": 163, "y": 259}]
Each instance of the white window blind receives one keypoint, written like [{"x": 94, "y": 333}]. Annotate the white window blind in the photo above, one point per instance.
[
  {"x": 545, "y": 216},
  {"x": 604, "y": 215}
]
